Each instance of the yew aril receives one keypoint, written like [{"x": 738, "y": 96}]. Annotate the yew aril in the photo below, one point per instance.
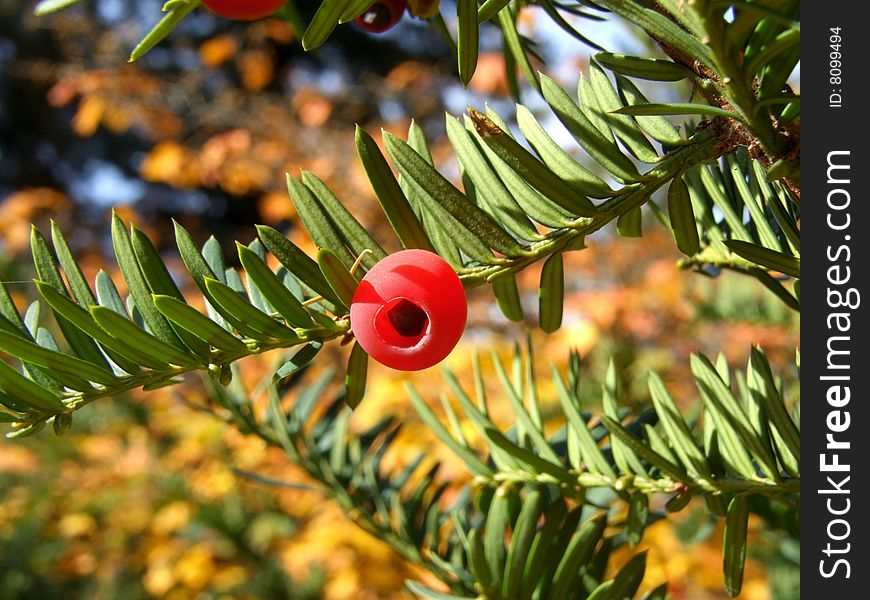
[
  {"x": 244, "y": 10},
  {"x": 409, "y": 311},
  {"x": 381, "y": 16}
]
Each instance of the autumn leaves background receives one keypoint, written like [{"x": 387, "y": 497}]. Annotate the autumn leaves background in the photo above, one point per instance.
[{"x": 147, "y": 496}]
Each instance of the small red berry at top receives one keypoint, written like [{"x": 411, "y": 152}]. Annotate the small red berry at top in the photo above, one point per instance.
[
  {"x": 381, "y": 16},
  {"x": 244, "y": 10},
  {"x": 409, "y": 311}
]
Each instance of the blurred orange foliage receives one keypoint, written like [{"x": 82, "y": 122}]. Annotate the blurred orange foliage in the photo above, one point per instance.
[
  {"x": 148, "y": 489},
  {"x": 25, "y": 207}
]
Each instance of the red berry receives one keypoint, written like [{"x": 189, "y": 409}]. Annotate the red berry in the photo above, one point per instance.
[
  {"x": 244, "y": 10},
  {"x": 381, "y": 15},
  {"x": 409, "y": 310}
]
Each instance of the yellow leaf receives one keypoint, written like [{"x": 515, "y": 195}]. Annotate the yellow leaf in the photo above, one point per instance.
[
  {"x": 88, "y": 116},
  {"x": 423, "y": 9},
  {"x": 217, "y": 50}
]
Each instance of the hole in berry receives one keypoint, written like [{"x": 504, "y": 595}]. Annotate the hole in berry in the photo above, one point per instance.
[
  {"x": 409, "y": 319},
  {"x": 401, "y": 323}
]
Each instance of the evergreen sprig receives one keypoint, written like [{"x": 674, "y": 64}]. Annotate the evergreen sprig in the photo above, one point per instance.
[
  {"x": 533, "y": 483},
  {"x": 153, "y": 336},
  {"x": 703, "y": 39}
]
